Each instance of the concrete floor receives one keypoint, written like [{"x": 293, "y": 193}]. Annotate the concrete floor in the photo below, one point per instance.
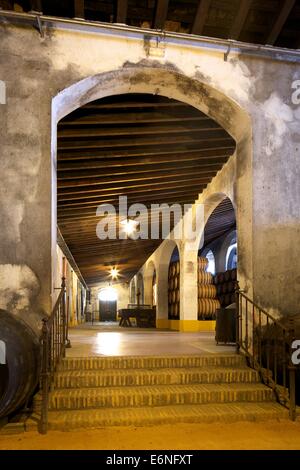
[
  {"x": 271, "y": 435},
  {"x": 108, "y": 339}
]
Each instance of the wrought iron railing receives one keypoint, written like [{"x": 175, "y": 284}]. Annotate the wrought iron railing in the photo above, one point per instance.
[
  {"x": 267, "y": 344},
  {"x": 54, "y": 341}
]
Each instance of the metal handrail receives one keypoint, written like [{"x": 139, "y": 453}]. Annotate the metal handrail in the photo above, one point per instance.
[
  {"x": 54, "y": 341},
  {"x": 267, "y": 344}
]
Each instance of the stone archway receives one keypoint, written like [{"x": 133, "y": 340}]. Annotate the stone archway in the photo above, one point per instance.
[
  {"x": 163, "y": 260},
  {"x": 233, "y": 180},
  {"x": 171, "y": 84},
  {"x": 140, "y": 287},
  {"x": 148, "y": 273}
]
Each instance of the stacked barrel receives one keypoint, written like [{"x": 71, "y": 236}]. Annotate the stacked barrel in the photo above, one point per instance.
[
  {"x": 225, "y": 284},
  {"x": 174, "y": 291},
  {"x": 208, "y": 302}
]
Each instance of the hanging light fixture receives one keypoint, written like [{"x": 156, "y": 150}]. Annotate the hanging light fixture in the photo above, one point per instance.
[
  {"x": 114, "y": 272},
  {"x": 129, "y": 226}
]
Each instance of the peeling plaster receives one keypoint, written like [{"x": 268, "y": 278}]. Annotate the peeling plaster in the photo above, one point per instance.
[
  {"x": 18, "y": 287},
  {"x": 277, "y": 115}
]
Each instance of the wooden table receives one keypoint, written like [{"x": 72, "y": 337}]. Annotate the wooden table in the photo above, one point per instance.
[{"x": 145, "y": 316}]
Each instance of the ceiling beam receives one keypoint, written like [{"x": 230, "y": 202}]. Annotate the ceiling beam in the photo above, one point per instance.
[
  {"x": 138, "y": 163},
  {"x": 215, "y": 134},
  {"x": 288, "y": 5},
  {"x": 122, "y": 6},
  {"x": 120, "y": 183},
  {"x": 201, "y": 15},
  {"x": 227, "y": 146},
  {"x": 161, "y": 13},
  {"x": 240, "y": 19},
  {"x": 130, "y": 118},
  {"x": 70, "y": 133},
  {"x": 134, "y": 104},
  {"x": 101, "y": 200},
  {"x": 79, "y": 8},
  {"x": 142, "y": 192}
]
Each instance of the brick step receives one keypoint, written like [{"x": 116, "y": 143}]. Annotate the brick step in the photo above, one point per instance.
[
  {"x": 130, "y": 377},
  {"x": 209, "y": 413},
  {"x": 124, "y": 397},
  {"x": 147, "y": 362}
]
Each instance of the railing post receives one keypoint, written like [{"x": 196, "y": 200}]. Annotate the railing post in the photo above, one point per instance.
[
  {"x": 237, "y": 318},
  {"x": 45, "y": 377},
  {"x": 292, "y": 373},
  {"x": 67, "y": 342},
  {"x": 64, "y": 319}
]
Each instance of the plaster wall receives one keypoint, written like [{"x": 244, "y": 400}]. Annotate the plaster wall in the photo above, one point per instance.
[{"x": 47, "y": 77}]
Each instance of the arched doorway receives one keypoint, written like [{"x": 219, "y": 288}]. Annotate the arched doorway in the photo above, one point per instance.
[
  {"x": 176, "y": 87},
  {"x": 132, "y": 291},
  {"x": 140, "y": 288},
  {"x": 108, "y": 298},
  {"x": 174, "y": 286},
  {"x": 154, "y": 290},
  {"x": 220, "y": 241}
]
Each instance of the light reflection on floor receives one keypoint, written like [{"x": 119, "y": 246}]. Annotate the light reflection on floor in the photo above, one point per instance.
[{"x": 108, "y": 339}]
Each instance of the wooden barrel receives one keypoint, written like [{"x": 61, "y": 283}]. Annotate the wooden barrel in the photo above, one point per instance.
[
  {"x": 178, "y": 295},
  {"x": 177, "y": 267},
  {"x": 173, "y": 269},
  {"x": 208, "y": 307},
  {"x": 204, "y": 277},
  {"x": 208, "y": 291},
  {"x": 173, "y": 297},
  {"x": 176, "y": 282},
  {"x": 202, "y": 263},
  {"x": 176, "y": 310},
  {"x": 20, "y": 375},
  {"x": 170, "y": 297}
]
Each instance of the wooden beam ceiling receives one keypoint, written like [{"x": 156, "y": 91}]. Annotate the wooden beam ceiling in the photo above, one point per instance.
[
  {"x": 257, "y": 21},
  {"x": 122, "y": 6},
  {"x": 153, "y": 151},
  {"x": 240, "y": 19},
  {"x": 200, "y": 17},
  {"x": 220, "y": 222},
  {"x": 79, "y": 8},
  {"x": 287, "y": 6},
  {"x": 161, "y": 11}
]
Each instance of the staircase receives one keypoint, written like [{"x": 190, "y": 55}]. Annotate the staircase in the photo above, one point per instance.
[{"x": 119, "y": 391}]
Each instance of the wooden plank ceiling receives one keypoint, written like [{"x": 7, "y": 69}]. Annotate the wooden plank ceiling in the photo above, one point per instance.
[
  {"x": 221, "y": 221},
  {"x": 147, "y": 147},
  {"x": 272, "y": 22}
]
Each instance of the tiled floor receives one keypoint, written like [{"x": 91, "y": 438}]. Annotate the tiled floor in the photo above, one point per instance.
[{"x": 108, "y": 339}]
